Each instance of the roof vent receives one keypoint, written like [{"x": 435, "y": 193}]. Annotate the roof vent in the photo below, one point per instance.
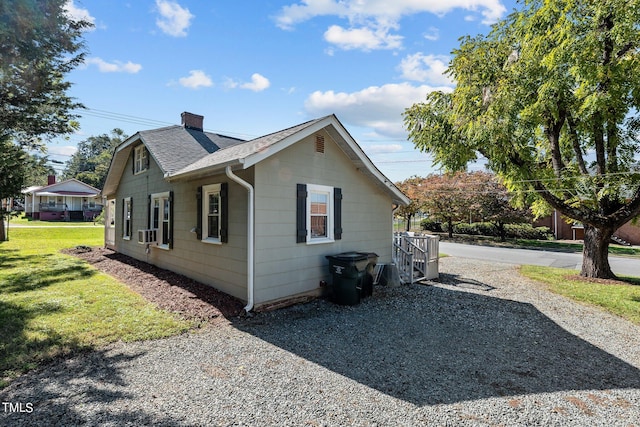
[
  {"x": 192, "y": 121},
  {"x": 319, "y": 144}
]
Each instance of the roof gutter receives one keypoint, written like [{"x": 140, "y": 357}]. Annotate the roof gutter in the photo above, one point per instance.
[
  {"x": 200, "y": 173},
  {"x": 250, "y": 236}
]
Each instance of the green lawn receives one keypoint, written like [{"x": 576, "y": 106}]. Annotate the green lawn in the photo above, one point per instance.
[
  {"x": 621, "y": 299},
  {"x": 53, "y": 304},
  {"x": 22, "y": 220}
]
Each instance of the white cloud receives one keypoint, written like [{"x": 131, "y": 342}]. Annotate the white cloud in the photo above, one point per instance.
[
  {"x": 77, "y": 13},
  {"x": 384, "y": 11},
  {"x": 433, "y": 34},
  {"x": 376, "y": 107},
  {"x": 371, "y": 21},
  {"x": 362, "y": 38},
  {"x": 174, "y": 19},
  {"x": 64, "y": 150},
  {"x": 426, "y": 68},
  {"x": 258, "y": 83},
  {"x": 196, "y": 79},
  {"x": 384, "y": 148},
  {"x": 114, "y": 67}
]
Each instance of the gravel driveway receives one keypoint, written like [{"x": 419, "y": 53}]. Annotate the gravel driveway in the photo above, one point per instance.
[{"x": 481, "y": 347}]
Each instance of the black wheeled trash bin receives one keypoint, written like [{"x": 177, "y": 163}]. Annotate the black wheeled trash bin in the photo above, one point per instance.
[{"x": 352, "y": 274}]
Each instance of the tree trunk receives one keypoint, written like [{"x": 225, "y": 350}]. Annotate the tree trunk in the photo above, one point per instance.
[
  {"x": 502, "y": 231},
  {"x": 3, "y": 233},
  {"x": 595, "y": 254},
  {"x": 450, "y": 226},
  {"x": 408, "y": 227}
]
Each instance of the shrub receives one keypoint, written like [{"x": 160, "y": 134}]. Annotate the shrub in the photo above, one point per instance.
[
  {"x": 431, "y": 225},
  {"x": 527, "y": 231},
  {"x": 100, "y": 218},
  {"x": 514, "y": 231}
]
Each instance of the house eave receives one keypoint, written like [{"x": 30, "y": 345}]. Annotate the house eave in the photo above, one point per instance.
[{"x": 204, "y": 172}]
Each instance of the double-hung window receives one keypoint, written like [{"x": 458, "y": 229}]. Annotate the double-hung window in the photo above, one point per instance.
[
  {"x": 140, "y": 159},
  {"x": 161, "y": 218},
  {"x": 212, "y": 213},
  {"x": 127, "y": 228},
  {"x": 319, "y": 219},
  {"x": 319, "y": 214},
  {"x": 212, "y": 224}
]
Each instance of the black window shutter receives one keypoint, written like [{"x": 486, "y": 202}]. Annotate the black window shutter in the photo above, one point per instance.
[
  {"x": 149, "y": 212},
  {"x": 301, "y": 213},
  {"x": 146, "y": 159},
  {"x": 337, "y": 213},
  {"x": 170, "y": 219},
  {"x": 124, "y": 221},
  {"x": 224, "y": 211},
  {"x": 133, "y": 161},
  {"x": 131, "y": 216},
  {"x": 199, "y": 213}
]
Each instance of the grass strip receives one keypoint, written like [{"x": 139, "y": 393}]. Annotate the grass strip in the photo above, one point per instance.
[
  {"x": 621, "y": 298},
  {"x": 53, "y": 304}
]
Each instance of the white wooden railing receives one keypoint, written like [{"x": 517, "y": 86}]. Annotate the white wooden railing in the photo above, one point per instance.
[{"x": 416, "y": 256}]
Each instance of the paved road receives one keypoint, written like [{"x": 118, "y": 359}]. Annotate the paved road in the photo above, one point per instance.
[{"x": 619, "y": 265}]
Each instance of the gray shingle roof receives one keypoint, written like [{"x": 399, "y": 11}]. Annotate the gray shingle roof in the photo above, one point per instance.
[
  {"x": 175, "y": 147},
  {"x": 242, "y": 150},
  {"x": 184, "y": 153}
]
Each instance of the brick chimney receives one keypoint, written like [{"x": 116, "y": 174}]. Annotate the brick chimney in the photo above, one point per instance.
[
  {"x": 192, "y": 121},
  {"x": 51, "y": 179}
]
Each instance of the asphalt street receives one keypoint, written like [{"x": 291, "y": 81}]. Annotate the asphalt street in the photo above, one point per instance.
[{"x": 620, "y": 266}]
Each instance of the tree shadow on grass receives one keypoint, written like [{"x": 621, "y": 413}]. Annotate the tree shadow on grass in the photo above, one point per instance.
[
  {"x": 25, "y": 347},
  {"x": 435, "y": 345},
  {"x": 43, "y": 277},
  {"x": 63, "y": 391},
  {"x": 11, "y": 258}
]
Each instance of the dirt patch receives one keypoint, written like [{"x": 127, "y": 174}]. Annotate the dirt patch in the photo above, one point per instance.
[
  {"x": 596, "y": 280},
  {"x": 170, "y": 291}
]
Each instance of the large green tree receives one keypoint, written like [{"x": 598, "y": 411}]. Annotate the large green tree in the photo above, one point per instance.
[
  {"x": 90, "y": 164},
  {"x": 550, "y": 98},
  {"x": 12, "y": 173},
  {"x": 448, "y": 197},
  {"x": 39, "y": 44}
]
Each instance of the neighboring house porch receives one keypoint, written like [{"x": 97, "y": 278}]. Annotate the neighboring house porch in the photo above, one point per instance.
[{"x": 69, "y": 200}]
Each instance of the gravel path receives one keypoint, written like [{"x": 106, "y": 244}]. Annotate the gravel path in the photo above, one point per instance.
[{"x": 482, "y": 347}]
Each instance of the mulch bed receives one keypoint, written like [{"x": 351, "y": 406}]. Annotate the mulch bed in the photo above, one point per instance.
[
  {"x": 598, "y": 281},
  {"x": 170, "y": 291}
]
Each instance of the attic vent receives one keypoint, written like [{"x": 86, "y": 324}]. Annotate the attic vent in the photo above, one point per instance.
[{"x": 319, "y": 144}]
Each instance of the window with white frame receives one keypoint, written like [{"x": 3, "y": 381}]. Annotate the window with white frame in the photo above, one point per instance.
[
  {"x": 211, "y": 213},
  {"x": 319, "y": 213},
  {"x": 140, "y": 159},
  {"x": 161, "y": 218},
  {"x": 126, "y": 219}
]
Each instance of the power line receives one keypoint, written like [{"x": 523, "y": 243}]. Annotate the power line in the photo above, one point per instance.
[{"x": 150, "y": 123}]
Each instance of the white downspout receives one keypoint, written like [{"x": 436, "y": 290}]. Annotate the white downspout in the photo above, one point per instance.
[
  {"x": 393, "y": 232},
  {"x": 250, "y": 236}
]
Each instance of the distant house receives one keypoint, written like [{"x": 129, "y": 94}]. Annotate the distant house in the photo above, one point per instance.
[
  {"x": 255, "y": 218},
  {"x": 567, "y": 229},
  {"x": 58, "y": 201}
]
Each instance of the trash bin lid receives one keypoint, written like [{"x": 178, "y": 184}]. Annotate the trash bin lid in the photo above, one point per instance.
[{"x": 352, "y": 256}]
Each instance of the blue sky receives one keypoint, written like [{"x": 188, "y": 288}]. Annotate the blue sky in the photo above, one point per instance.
[{"x": 255, "y": 67}]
